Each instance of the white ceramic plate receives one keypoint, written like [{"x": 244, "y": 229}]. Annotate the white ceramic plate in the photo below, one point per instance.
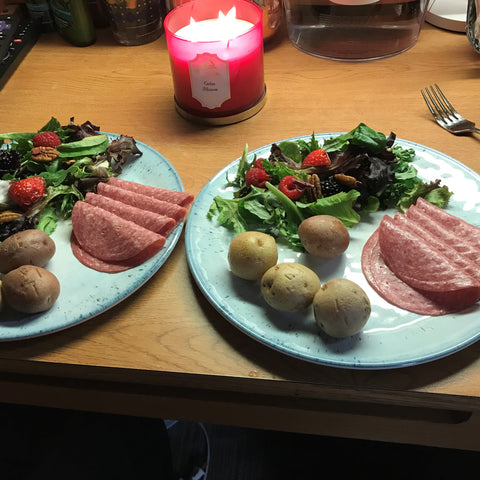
[
  {"x": 392, "y": 337},
  {"x": 448, "y": 14},
  {"x": 86, "y": 293}
]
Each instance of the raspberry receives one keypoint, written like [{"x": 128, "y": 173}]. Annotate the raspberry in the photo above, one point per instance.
[
  {"x": 256, "y": 177},
  {"x": 27, "y": 191},
  {"x": 317, "y": 158},
  {"x": 292, "y": 187},
  {"x": 258, "y": 163},
  {"x": 46, "y": 139}
]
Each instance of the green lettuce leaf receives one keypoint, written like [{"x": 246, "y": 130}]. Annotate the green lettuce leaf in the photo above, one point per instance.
[{"x": 339, "y": 205}]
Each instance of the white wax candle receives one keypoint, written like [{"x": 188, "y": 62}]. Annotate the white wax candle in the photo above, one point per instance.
[{"x": 223, "y": 28}]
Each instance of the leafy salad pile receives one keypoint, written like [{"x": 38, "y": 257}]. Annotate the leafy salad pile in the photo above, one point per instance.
[
  {"x": 383, "y": 173},
  {"x": 85, "y": 158}
]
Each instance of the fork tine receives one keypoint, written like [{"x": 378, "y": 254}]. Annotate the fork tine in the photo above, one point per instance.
[
  {"x": 432, "y": 111},
  {"x": 432, "y": 104},
  {"x": 443, "y": 103},
  {"x": 447, "y": 103}
]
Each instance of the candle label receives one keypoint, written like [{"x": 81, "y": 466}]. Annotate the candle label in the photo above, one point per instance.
[{"x": 210, "y": 80}]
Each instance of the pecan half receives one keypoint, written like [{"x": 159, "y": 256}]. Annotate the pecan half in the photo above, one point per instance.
[
  {"x": 347, "y": 180},
  {"x": 315, "y": 192},
  {"x": 44, "y": 154},
  {"x": 9, "y": 216}
]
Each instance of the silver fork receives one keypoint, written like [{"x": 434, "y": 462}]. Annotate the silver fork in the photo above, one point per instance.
[{"x": 444, "y": 113}]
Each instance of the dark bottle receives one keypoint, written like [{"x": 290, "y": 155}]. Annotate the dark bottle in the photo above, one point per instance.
[{"x": 74, "y": 21}]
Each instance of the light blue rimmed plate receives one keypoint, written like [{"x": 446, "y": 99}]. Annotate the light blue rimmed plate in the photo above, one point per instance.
[
  {"x": 85, "y": 293},
  {"x": 392, "y": 337}
]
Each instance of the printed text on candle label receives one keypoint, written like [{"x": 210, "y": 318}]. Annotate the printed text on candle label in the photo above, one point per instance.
[{"x": 209, "y": 79}]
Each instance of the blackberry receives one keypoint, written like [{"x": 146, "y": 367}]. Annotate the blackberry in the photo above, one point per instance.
[
  {"x": 9, "y": 161},
  {"x": 330, "y": 187},
  {"x": 18, "y": 225}
]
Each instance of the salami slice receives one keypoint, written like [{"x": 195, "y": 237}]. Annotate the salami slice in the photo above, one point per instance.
[
  {"x": 155, "y": 222},
  {"x": 459, "y": 236},
  {"x": 462, "y": 257},
  {"x": 93, "y": 262},
  {"x": 180, "y": 198},
  {"x": 144, "y": 202},
  {"x": 463, "y": 231},
  {"x": 391, "y": 288},
  {"x": 419, "y": 264},
  {"x": 111, "y": 238}
]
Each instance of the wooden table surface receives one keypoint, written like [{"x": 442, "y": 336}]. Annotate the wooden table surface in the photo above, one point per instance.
[{"x": 164, "y": 351}]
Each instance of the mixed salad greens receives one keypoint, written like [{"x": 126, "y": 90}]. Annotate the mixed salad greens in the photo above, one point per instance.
[
  {"x": 366, "y": 172},
  {"x": 85, "y": 157}
]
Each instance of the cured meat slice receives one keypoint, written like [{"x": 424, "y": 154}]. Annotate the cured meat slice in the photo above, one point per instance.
[
  {"x": 462, "y": 238},
  {"x": 419, "y": 264},
  {"x": 441, "y": 241},
  {"x": 93, "y": 262},
  {"x": 463, "y": 231},
  {"x": 144, "y": 202},
  {"x": 392, "y": 289},
  {"x": 111, "y": 238},
  {"x": 155, "y": 222},
  {"x": 416, "y": 263},
  {"x": 181, "y": 198}
]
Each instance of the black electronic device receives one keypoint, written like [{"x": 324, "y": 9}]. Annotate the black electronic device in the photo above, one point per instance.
[{"x": 17, "y": 36}]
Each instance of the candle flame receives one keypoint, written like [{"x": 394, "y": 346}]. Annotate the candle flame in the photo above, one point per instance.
[
  {"x": 222, "y": 18},
  {"x": 223, "y": 28}
]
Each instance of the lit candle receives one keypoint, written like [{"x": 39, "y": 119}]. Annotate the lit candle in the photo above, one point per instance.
[{"x": 216, "y": 57}]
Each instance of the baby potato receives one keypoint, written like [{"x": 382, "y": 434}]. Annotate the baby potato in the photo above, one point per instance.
[
  {"x": 28, "y": 247},
  {"x": 251, "y": 254},
  {"x": 30, "y": 289},
  {"x": 341, "y": 308},
  {"x": 289, "y": 287},
  {"x": 324, "y": 236}
]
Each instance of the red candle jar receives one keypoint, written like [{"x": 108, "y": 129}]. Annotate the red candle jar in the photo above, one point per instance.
[{"x": 216, "y": 60}]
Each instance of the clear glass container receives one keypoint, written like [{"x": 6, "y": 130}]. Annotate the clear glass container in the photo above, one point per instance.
[
  {"x": 354, "y": 30},
  {"x": 473, "y": 23},
  {"x": 136, "y": 22}
]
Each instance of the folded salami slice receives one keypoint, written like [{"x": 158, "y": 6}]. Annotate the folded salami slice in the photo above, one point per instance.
[
  {"x": 144, "y": 202},
  {"x": 110, "y": 238},
  {"x": 93, "y": 262},
  {"x": 181, "y": 198},
  {"x": 419, "y": 264},
  {"x": 464, "y": 231},
  {"x": 152, "y": 221},
  {"x": 392, "y": 289},
  {"x": 458, "y": 252},
  {"x": 460, "y": 235}
]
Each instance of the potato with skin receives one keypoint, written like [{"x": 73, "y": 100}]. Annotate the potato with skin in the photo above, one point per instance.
[
  {"x": 28, "y": 247},
  {"x": 30, "y": 289},
  {"x": 324, "y": 236},
  {"x": 289, "y": 287},
  {"x": 251, "y": 254},
  {"x": 341, "y": 308}
]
